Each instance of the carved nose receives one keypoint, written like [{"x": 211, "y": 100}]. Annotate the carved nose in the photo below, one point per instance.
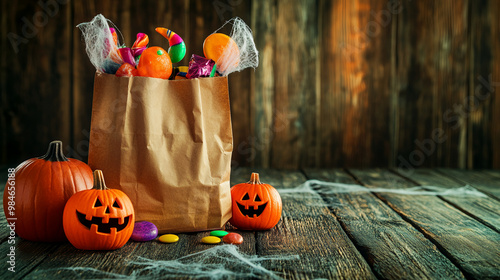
[{"x": 107, "y": 210}]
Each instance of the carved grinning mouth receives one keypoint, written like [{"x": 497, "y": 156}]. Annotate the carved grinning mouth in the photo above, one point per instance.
[
  {"x": 103, "y": 227},
  {"x": 251, "y": 211}
]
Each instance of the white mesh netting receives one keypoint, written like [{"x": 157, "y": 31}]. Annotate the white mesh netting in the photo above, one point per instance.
[
  {"x": 245, "y": 56},
  {"x": 99, "y": 44}
]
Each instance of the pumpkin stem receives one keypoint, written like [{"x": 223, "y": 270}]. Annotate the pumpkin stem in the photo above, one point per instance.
[
  {"x": 99, "y": 183},
  {"x": 254, "y": 179},
  {"x": 55, "y": 152}
]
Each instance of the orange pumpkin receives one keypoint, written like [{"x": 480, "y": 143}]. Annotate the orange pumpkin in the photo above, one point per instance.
[
  {"x": 256, "y": 206},
  {"x": 40, "y": 190},
  {"x": 99, "y": 218}
]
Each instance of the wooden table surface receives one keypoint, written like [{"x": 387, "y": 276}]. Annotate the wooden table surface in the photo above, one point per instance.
[{"x": 322, "y": 234}]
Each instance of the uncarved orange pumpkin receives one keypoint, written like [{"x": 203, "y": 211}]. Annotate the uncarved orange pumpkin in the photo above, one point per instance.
[
  {"x": 99, "y": 218},
  {"x": 256, "y": 206},
  {"x": 40, "y": 190}
]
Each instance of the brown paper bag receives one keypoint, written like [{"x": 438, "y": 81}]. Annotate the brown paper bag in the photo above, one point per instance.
[{"x": 167, "y": 145}]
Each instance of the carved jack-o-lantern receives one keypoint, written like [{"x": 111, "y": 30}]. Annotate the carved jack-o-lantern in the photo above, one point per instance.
[
  {"x": 256, "y": 206},
  {"x": 99, "y": 218}
]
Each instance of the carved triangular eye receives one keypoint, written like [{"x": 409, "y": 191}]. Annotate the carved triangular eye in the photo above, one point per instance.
[
  {"x": 245, "y": 197},
  {"x": 115, "y": 204},
  {"x": 257, "y": 198},
  {"x": 97, "y": 203}
]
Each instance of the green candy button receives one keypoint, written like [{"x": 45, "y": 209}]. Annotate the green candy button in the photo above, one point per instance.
[{"x": 218, "y": 233}]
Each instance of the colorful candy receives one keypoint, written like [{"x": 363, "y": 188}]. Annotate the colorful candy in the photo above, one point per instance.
[
  {"x": 168, "y": 238},
  {"x": 218, "y": 233},
  {"x": 140, "y": 44},
  {"x": 223, "y": 54},
  {"x": 114, "y": 54},
  {"x": 210, "y": 240},
  {"x": 144, "y": 231},
  {"x": 177, "y": 49},
  {"x": 233, "y": 238},
  {"x": 114, "y": 35},
  {"x": 221, "y": 49},
  {"x": 126, "y": 54},
  {"x": 155, "y": 62},
  {"x": 200, "y": 67},
  {"x": 127, "y": 70}
]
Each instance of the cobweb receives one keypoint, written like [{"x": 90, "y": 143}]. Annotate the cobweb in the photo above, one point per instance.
[
  {"x": 245, "y": 56},
  {"x": 335, "y": 188},
  {"x": 99, "y": 43},
  {"x": 219, "y": 262}
]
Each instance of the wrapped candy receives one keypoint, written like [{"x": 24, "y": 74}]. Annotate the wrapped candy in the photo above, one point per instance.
[
  {"x": 140, "y": 44},
  {"x": 200, "y": 67},
  {"x": 126, "y": 54}
]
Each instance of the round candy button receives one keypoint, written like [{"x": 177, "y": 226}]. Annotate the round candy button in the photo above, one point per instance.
[
  {"x": 218, "y": 233},
  {"x": 144, "y": 231},
  {"x": 169, "y": 238},
  {"x": 210, "y": 240},
  {"x": 233, "y": 238}
]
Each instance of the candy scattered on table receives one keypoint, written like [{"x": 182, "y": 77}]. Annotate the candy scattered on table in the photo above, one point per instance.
[
  {"x": 233, "y": 238},
  {"x": 218, "y": 233},
  {"x": 168, "y": 238},
  {"x": 210, "y": 240},
  {"x": 144, "y": 231}
]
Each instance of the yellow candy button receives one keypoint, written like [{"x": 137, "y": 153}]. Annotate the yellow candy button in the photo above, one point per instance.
[
  {"x": 210, "y": 240},
  {"x": 169, "y": 238}
]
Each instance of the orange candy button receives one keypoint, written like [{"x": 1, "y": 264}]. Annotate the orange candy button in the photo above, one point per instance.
[{"x": 233, "y": 238}]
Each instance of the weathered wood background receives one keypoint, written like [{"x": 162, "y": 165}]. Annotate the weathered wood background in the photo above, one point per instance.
[{"x": 340, "y": 83}]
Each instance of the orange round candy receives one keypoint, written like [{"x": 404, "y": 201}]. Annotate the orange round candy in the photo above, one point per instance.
[
  {"x": 215, "y": 45},
  {"x": 233, "y": 238},
  {"x": 155, "y": 62},
  {"x": 126, "y": 70}
]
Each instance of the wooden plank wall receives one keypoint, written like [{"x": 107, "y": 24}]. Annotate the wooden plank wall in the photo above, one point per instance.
[{"x": 362, "y": 83}]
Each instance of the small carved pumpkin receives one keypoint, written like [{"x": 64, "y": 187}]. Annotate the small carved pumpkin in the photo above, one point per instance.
[
  {"x": 39, "y": 191},
  {"x": 256, "y": 206},
  {"x": 99, "y": 218}
]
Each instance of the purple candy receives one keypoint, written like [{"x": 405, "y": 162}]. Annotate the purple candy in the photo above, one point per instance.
[
  {"x": 127, "y": 56},
  {"x": 200, "y": 67},
  {"x": 144, "y": 231}
]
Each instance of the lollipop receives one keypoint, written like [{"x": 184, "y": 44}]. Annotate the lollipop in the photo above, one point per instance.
[
  {"x": 234, "y": 52},
  {"x": 177, "y": 49},
  {"x": 216, "y": 44}
]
